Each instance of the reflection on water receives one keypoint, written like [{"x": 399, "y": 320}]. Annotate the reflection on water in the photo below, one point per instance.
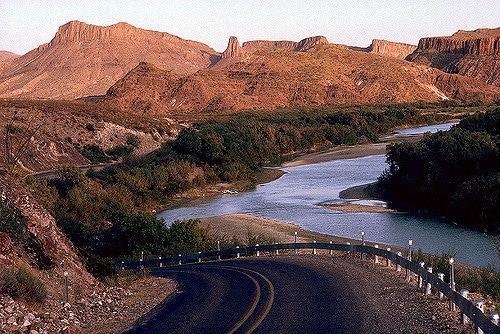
[{"x": 296, "y": 196}]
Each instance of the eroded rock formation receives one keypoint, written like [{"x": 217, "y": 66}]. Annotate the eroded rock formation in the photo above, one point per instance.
[
  {"x": 469, "y": 53},
  {"x": 234, "y": 49},
  {"x": 391, "y": 49}
]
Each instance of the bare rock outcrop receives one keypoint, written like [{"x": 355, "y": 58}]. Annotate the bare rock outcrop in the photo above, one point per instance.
[
  {"x": 469, "y": 53},
  {"x": 477, "y": 42},
  {"x": 6, "y": 58},
  {"x": 235, "y": 53},
  {"x": 391, "y": 49},
  {"x": 234, "y": 50},
  {"x": 310, "y": 42}
]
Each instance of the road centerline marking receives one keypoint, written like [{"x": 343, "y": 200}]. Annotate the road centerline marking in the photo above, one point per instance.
[{"x": 269, "y": 302}]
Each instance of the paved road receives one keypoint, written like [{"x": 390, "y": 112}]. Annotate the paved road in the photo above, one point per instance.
[{"x": 289, "y": 294}]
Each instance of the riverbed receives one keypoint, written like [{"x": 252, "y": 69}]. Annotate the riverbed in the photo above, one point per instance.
[{"x": 299, "y": 196}]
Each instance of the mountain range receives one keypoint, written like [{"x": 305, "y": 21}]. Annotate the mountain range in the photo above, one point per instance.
[{"x": 155, "y": 72}]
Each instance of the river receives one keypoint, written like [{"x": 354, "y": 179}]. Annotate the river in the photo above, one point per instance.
[{"x": 297, "y": 195}]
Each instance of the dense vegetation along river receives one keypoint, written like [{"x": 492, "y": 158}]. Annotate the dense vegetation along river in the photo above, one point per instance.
[{"x": 297, "y": 195}]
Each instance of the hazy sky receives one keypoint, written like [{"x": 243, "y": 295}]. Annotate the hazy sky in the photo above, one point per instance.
[{"x": 26, "y": 24}]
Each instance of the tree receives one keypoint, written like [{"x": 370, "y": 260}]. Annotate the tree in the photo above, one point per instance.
[{"x": 188, "y": 237}]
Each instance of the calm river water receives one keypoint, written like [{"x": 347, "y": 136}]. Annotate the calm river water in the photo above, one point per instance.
[{"x": 295, "y": 198}]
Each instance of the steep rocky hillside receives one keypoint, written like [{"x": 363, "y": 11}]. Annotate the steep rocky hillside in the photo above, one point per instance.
[
  {"x": 470, "y": 53},
  {"x": 324, "y": 74},
  {"x": 42, "y": 226},
  {"x": 83, "y": 60},
  {"x": 47, "y": 134}
]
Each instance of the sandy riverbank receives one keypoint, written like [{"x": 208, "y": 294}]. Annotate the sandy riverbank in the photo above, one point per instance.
[
  {"x": 338, "y": 153},
  {"x": 348, "y": 152},
  {"x": 241, "y": 226}
]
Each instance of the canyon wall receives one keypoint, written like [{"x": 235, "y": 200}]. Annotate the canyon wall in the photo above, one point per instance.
[{"x": 469, "y": 53}]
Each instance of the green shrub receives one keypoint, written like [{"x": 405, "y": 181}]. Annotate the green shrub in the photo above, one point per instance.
[
  {"x": 10, "y": 222},
  {"x": 119, "y": 151},
  {"x": 100, "y": 267},
  {"x": 21, "y": 284},
  {"x": 94, "y": 153}
]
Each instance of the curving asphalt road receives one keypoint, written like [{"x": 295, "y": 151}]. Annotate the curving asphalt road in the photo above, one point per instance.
[{"x": 288, "y": 294}]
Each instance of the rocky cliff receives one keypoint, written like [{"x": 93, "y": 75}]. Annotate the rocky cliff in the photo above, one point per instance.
[
  {"x": 391, "y": 49},
  {"x": 235, "y": 50},
  {"x": 235, "y": 53},
  {"x": 470, "y": 53},
  {"x": 477, "y": 42},
  {"x": 84, "y": 59}
]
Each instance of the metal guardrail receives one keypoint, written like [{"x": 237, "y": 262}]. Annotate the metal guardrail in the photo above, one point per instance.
[{"x": 469, "y": 309}]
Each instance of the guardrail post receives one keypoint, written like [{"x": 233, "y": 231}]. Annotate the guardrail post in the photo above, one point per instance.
[
  {"x": 295, "y": 242},
  {"x": 387, "y": 260},
  {"x": 218, "y": 249},
  {"x": 238, "y": 254},
  {"x": 441, "y": 277},
  {"x": 348, "y": 244},
  {"x": 277, "y": 251},
  {"x": 408, "y": 275},
  {"x": 258, "y": 252},
  {"x": 161, "y": 264},
  {"x": 463, "y": 318},
  {"x": 314, "y": 249},
  {"x": 495, "y": 318},
  {"x": 199, "y": 256},
  {"x": 331, "y": 250},
  {"x": 420, "y": 278},
  {"x": 123, "y": 265},
  {"x": 180, "y": 260},
  {"x": 479, "y": 304},
  {"x": 376, "y": 256},
  {"x": 398, "y": 266},
  {"x": 363, "y": 255},
  {"x": 428, "y": 287},
  {"x": 452, "y": 282}
]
